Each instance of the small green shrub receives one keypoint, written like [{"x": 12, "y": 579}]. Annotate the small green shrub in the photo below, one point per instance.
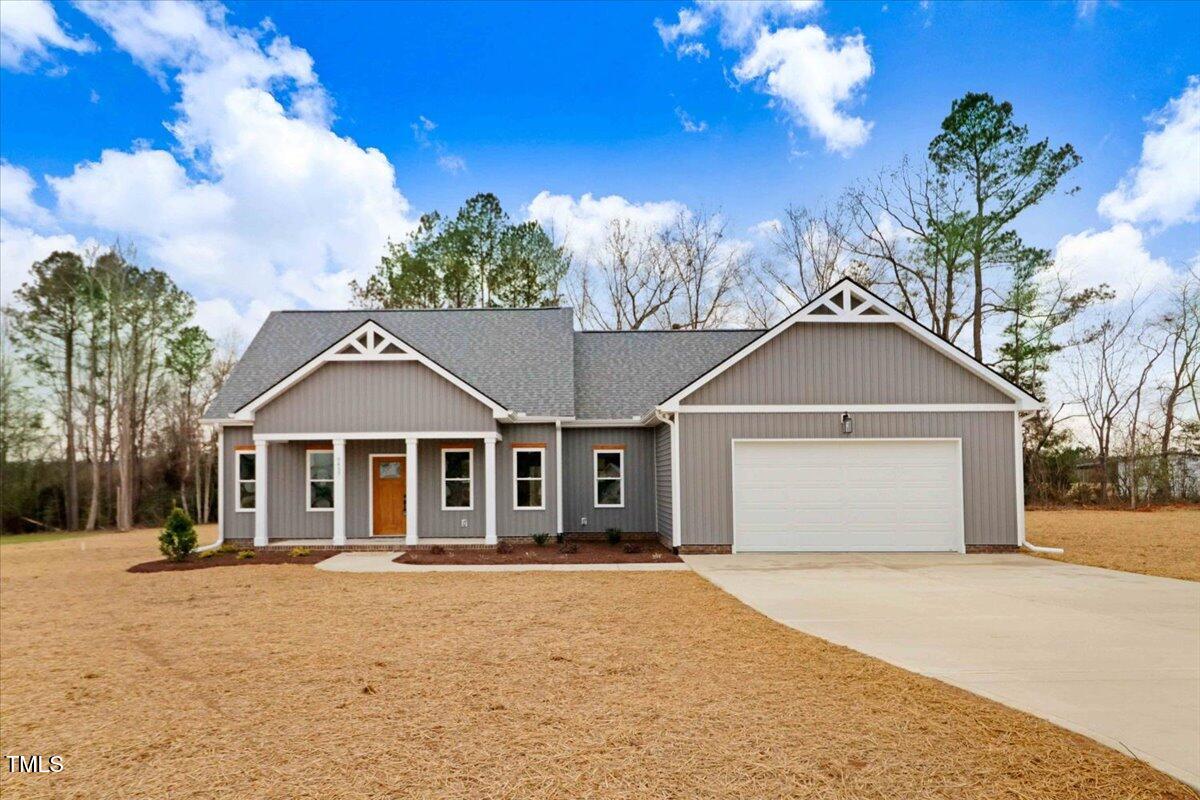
[
  {"x": 632, "y": 547},
  {"x": 503, "y": 547},
  {"x": 540, "y": 539},
  {"x": 437, "y": 550},
  {"x": 300, "y": 552},
  {"x": 245, "y": 554},
  {"x": 613, "y": 535},
  {"x": 178, "y": 538},
  {"x": 227, "y": 548},
  {"x": 208, "y": 554}
]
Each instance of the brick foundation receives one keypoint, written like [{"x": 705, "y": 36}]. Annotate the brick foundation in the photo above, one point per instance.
[
  {"x": 704, "y": 549},
  {"x": 992, "y": 548}
]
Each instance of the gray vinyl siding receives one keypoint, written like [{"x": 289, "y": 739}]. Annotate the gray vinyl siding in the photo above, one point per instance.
[
  {"x": 989, "y": 488},
  {"x": 509, "y": 521},
  {"x": 288, "y": 516},
  {"x": 236, "y": 524},
  {"x": 662, "y": 480},
  {"x": 432, "y": 522},
  {"x": 638, "y": 515},
  {"x": 819, "y": 363},
  {"x": 385, "y": 396}
]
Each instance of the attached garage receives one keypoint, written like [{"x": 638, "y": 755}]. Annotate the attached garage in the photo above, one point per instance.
[{"x": 847, "y": 494}]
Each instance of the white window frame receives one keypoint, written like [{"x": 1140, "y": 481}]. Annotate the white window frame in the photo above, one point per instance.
[
  {"x": 596, "y": 476},
  {"x": 541, "y": 479},
  {"x": 239, "y": 480},
  {"x": 470, "y": 451},
  {"x": 309, "y": 480}
]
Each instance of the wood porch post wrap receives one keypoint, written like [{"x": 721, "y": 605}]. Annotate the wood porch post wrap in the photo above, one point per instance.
[
  {"x": 260, "y": 493},
  {"x": 339, "y": 492},
  {"x": 489, "y": 491},
  {"x": 410, "y": 491}
]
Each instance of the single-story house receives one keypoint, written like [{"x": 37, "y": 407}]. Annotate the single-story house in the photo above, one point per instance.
[{"x": 847, "y": 426}]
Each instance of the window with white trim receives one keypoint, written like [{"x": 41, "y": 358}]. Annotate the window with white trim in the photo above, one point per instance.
[
  {"x": 609, "y": 473},
  {"x": 528, "y": 478},
  {"x": 320, "y": 480},
  {"x": 246, "y": 480},
  {"x": 458, "y": 491}
]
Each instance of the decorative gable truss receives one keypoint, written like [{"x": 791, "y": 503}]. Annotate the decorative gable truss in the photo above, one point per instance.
[
  {"x": 844, "y": 302},
  {"x": 368, "y": 342}
]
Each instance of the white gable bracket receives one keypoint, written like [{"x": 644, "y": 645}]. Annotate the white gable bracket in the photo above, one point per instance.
[{"x": 367, "y": 342}]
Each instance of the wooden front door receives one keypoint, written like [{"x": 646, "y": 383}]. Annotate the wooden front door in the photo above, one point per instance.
[{"x": 389, "y": 491}]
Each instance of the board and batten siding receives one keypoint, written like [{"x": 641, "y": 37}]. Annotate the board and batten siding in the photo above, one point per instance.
[
  {"x": 706, "y": 463},
  {"x": 385, "y": 396},
  {"x": 525, "y": 522},
  {"x": 662, "y": 481},
  {"x": 639, "y": 513},
  {"x": 827, "y": 362},
  {"x": 236, "y": 524}
]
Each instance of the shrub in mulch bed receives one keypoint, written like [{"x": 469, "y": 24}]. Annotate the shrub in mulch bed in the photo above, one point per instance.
[
  {"x": 526, "y": 553},
  {"x": 234, "y": 558}
]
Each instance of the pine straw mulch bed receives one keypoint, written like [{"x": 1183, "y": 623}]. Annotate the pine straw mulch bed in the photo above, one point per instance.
[
  {"x": 297, "y": 683},
  {"x": 1156, "y": 541},
  {"x": 574, "y": 553},
  {"x": 231, "y": 560}
]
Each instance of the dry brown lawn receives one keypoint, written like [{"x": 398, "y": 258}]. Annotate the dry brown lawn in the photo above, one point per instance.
[
  {"x": 1164, "y": 542},
  {"x": 288, "y": 682}
]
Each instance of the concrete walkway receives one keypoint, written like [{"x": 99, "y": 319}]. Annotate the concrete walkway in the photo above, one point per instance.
[
  {"x": 382, "y": 562},
  {"x": 1112, "y": 655}
]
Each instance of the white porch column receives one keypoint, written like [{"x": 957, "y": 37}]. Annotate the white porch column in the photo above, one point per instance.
[
  {"x": 260, "y": 493},
  {"x": 489, "y": 491},
  {"x": 339, "y": 492},
  {"x": 410, "y": 491}
]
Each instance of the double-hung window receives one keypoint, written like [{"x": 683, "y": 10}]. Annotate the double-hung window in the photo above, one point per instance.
[
  {"x": 528, "y": 478},
  {"x": 609, "y": 473},
  {"x": 458, "y": 493},
  {"x": 320, "y": 480},
  {"x": 245, "y": 480}
]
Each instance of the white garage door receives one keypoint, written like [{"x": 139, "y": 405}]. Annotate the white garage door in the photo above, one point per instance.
[{"x": 847, "y": 494}]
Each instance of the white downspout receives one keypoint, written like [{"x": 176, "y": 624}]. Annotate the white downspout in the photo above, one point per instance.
[
  {"x": 220, "y": 493},
  {"x": 1018, "y": 443}
]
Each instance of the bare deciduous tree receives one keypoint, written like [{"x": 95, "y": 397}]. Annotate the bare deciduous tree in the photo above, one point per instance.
[
  {"x": 1180, "y": 328},
  {"x": 636, "y": 281},
  {"x": 707, "y": 268}
]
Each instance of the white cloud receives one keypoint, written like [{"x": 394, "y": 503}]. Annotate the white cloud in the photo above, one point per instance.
[
  {"x": 689, "y": 24},
  {"x": 423, "y": 130},
  {"x": 224, "y": 321},
  {"x": 741, "y": 21},
  {"x": 260, "y": 200},
  {"x": 695, "y": 50},
  {"x": 16, "y": 197},
  {"x": 583, "y": 225},
  {"x": 29, "y": 31},
  {"x": 766, "y": 228},
  {"x": 688, "y": 124},
  {"x": 1164, "y": 188},
  {"x": 20, "y": 247},
  {"x": 1117, "y": 257},
  {"x": 813, "y": 76}
]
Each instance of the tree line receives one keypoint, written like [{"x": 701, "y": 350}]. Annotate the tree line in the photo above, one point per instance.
[{"x": 104, "y": 382}]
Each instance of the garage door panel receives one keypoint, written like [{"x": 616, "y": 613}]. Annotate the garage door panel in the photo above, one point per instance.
[{"x": 847, "y": 495}]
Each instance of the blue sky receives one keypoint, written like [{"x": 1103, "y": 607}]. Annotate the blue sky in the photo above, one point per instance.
[{"x": 564, "y": 99}]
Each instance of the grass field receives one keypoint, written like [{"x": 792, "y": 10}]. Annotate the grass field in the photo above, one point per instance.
[
  {"x": 288, "y": 682},
  {"x": 1164, "y": 542},
  {"x": 29, "y": 538}
]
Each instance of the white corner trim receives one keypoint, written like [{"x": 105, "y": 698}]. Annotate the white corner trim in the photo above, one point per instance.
[
  {"x": 596, "y": 477},
  {"x": 837, "y": 304},
  {"x": 860, "y": 408},
  {"x": 368, "y": 341},
  {"x": 470, "y": 451},
  {"x": 541, "y": 480},
  {"x": 324, "y": 436},
  {"x": 1019, "y": 473},
  {"x": 673, "y": 423},
  {"x": 558, "y": 498}
]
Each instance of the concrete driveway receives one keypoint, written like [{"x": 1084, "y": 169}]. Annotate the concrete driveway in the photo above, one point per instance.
[{"x": 1112, "y": 655}]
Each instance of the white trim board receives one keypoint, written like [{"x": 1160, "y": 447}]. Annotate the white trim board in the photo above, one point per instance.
[
  {"x": 309, "y": 480},
  {"x": 962, "y": 508},
  {"x": 321, "y": 437},
  {"x": 846, "y": 301},
  {"x": 368, "y": 342},
  {"x": 541, "y": 479},
  {"x": 596, "y": 451},
  {"x": 470, "y": 451},
  {"x": 899, "y": 408},
  {"x": 371, "y": 490}
]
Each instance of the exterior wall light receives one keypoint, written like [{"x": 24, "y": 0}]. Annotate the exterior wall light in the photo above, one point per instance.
[{"x": 847, "y": 425}]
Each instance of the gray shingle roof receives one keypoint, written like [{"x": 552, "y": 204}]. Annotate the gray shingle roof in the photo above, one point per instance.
[
  {"x": 521, "y": 358},
  {"x": 624, "y": 374}
]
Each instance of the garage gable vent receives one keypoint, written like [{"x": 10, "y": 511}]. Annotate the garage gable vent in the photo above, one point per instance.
[{"x": 846, "y": 305}]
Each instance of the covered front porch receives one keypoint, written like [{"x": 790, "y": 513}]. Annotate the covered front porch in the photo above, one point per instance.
[{"x": 374, "y": 490}]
